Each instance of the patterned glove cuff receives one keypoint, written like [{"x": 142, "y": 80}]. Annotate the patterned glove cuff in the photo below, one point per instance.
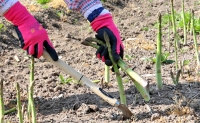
[
  {"x": 95, "y": 14},
  {"x": 6, "y": 5}
]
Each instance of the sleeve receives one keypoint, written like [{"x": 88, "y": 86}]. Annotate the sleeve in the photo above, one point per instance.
[
  {"x": 85, "y": 7},
  {"x": 5, "y": 5}
]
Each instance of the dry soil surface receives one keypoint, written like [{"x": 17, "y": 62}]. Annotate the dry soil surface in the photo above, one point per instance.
[{"x": 57, "y": 102}]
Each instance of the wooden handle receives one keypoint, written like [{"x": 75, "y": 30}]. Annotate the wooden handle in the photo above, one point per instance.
[{"x": 76, "y": 75}]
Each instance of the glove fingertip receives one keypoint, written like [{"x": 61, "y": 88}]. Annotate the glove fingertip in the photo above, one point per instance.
[
  {"x": 98, "y": 56},
  {"x": 39, "y": 49},
  {"x": 31, "y": 50},
  {"x": 108, "y": 62},
  {"x": 51, "y": 51},
  {"x": 116, "y": 57},
  {"x": 103, "y": 59},
  {"x": 112, "y": 69},
  {"x": 40, "y": 53}
]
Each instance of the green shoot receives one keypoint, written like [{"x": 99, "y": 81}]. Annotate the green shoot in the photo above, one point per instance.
[
  {"x": 164, "y": 59},
  {"x": 45, "y": 6},
  {"x": 169, "y": 30},
  {"x": 2, "y": 28},
  {"x": 103, "y": 1},
  {"x": 176, "y": 43},
  {"x": 65, "y": 81},
  {"x": 184, "y": 23},
  {"x": 31, "y": 105},
  {"x": 117, "y": 73},
  {"x": 195, "y": 40},
  {"x": 19, "y": 106},
  {"x": 43, "y": 1},
  {"x": 167, "y": 18},
  {"x": 175, "y": 79},
  {"x": 60, "y": 14},
  {"x": 158, "y": 55},
  {"x": 128, "y": 57},
  {"x": 186, "y": 62},
  {"x": 2, "y": 109},
  {"x": 10, "y": 110},
  {"x": 145, "y": 29}
]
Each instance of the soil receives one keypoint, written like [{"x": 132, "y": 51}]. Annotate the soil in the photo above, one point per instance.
[{"x": 58, "y": 102}]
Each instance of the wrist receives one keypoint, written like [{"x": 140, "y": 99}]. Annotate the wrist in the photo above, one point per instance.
[
  {"x": 94, "y": 12},
  {"x": 102, "y": 21},
  {"x": 7, "y": 4},
  {"x": 18, "y": 14}
]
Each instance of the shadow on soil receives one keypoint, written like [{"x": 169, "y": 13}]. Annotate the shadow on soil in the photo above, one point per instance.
[{"x": 183, "y": 99}]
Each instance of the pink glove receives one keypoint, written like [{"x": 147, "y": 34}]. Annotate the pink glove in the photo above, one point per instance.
[
  {"x": 32, "y": 35},
  {"x": 104, "y": 23}
]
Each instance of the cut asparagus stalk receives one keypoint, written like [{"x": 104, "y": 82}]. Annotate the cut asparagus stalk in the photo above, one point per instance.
[
  {"x": 117, "y": 73},
  {"x": 141, "y": 84},
  {"x": 107, "y": 74}
]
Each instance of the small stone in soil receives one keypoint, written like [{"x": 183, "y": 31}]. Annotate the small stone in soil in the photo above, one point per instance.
[
  {"x": 57, "y": 88},
  {"x": 7, "y": 62},
  {"x": 85, "y": 109},
  {"x": 113, "y": 116},
  {"x": 155, "y": 116}
]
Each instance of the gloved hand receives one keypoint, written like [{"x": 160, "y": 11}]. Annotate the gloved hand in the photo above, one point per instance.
[
  {"x": 32, "y": 35},
  {"x": 104, "y": 23}
]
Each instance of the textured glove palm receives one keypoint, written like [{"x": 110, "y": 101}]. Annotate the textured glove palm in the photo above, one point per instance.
[
  {"x": 104, "y": 23},
  {"x": 32, "y": 35}
]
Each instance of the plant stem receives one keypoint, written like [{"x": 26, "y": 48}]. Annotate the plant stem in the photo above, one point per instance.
[
  {"x": 139, "y": 82},
  {"x": 175, "y": 80},
  {"x": 10, "y": 110},
  {"x": 107, "y": 74},
  {"x": 184, "y": 23},
  {"x": 169, "y": 31},
  {"x": 2, "y": 109},
  {"x": 33, "y": 112},
  {"x": 195, "y": 39},
  {"x": 32, "y": 70},
  {"x": 19, "y": 106},
  {"x": 119, "y": 79},
  {"x": 158, "y": 55},
  {"x": 31, "y": 106},
  {"x": 176, "y": 43},
  {"x": 90, "y": 39}
]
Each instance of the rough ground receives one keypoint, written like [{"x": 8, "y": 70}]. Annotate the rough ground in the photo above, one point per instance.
[{"x": 64, "y": 103}]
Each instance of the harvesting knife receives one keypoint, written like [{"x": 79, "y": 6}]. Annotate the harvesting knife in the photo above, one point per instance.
[{"x": 94, "y": 87}]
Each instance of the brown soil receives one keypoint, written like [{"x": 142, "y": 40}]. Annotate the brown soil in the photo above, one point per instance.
[{"x": 62, "y": 103}]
